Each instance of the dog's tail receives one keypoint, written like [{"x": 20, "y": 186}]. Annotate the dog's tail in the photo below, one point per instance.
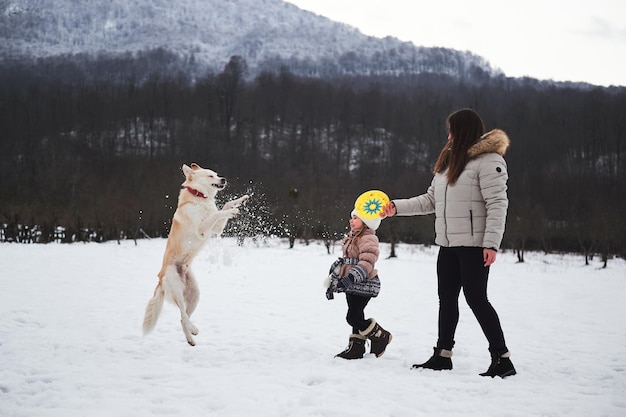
[{"x": 153, "y": 310}]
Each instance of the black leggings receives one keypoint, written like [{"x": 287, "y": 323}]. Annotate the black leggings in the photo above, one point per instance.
[
  {"x": 463, "y": 267},
  {"x": 356, "y": 312}
]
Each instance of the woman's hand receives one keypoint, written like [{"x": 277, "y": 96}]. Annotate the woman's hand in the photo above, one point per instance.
[
  {"x": 489, "y": 256},
  {"x": 389, "y": 210}
]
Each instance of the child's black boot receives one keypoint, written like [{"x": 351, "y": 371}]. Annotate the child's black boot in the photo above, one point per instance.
[
  {"x": 379, "y": 338},
  {"x": 355, "y": 349}
]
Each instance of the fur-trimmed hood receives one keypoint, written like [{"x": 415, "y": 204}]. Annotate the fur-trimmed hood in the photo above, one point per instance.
[{"x": 495, "y": 140}]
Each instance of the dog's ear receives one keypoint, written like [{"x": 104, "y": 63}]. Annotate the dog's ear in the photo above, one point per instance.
[{"x": 195, "y": 166}]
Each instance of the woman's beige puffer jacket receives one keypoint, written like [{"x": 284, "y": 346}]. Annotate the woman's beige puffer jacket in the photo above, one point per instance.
[{"x": 472, "y": 212}]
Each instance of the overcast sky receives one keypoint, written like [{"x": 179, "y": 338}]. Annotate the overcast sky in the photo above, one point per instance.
[{"x": 560, "y": 40}]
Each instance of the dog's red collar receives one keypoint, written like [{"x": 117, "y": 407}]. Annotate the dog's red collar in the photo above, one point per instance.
[{"x": 196, "y": 192}]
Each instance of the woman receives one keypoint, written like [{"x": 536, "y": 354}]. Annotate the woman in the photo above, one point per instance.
[{"x": 468, "y": 197}]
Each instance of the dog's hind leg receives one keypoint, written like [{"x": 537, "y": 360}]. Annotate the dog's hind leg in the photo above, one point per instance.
[
  {"x": 188, "y": 327},
  {"x": 175, "y": 288},
  {"x": 192, "y": 293}
]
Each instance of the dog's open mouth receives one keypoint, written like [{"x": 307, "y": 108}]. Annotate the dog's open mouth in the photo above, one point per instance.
[{"x": 219, "y": 186}]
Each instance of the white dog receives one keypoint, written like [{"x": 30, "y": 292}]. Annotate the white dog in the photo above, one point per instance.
[{"x": 195, "y": 221}]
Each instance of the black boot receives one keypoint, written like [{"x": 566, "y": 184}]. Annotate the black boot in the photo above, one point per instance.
[
  {"x": 441, "y": 360},
  {"x": 355, "y": 349},
  {"x": 379, "y": 338},
  {"x": 500, "y": 366}
]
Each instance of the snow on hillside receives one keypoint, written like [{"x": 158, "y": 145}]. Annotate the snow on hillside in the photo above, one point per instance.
[
  {"x": 210, "y": 32},
  {"x": 71, "y": 342}
]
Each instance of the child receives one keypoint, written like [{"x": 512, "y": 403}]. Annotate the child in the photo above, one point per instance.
[{"x": 355, "y": 275}]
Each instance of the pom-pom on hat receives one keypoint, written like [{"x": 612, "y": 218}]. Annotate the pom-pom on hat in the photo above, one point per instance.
[{"x": 371, "y": 223}]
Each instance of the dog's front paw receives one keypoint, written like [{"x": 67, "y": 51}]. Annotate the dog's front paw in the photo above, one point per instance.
[
  {"x": 237, "y": 202},
  {"x": 232, "y": 212}
]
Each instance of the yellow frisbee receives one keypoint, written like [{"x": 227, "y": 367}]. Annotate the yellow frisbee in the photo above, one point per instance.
[{"x": 370, "y": 204}]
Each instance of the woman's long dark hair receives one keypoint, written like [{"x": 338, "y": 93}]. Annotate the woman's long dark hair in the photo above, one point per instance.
[{"x": 466, "y": 128}]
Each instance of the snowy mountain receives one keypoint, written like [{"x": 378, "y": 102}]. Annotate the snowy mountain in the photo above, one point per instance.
[{"x": 268, "y": 34}]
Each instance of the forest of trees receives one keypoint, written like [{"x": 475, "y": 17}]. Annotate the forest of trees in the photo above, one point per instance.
[{"x": 101, "y": 157}]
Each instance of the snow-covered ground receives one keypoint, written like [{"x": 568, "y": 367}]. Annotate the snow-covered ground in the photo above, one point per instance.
[{"x": 71, "y": 342}]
